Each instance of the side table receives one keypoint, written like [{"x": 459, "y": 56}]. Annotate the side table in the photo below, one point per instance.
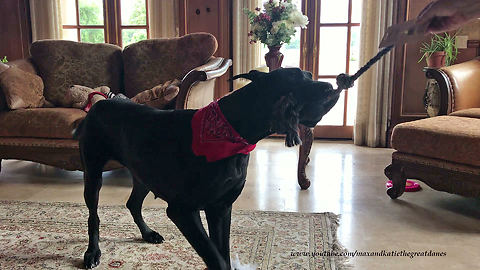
[
  {"x": 306, "y": 135},
  {"x": 432, "y": 96}
]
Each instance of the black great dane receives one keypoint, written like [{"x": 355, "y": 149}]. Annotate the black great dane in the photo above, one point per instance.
[{"x": 195, "y": 159}]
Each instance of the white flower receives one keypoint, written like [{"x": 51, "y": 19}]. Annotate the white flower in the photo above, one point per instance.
[
  {"x": 276, "y": 26},
  {"x": 269, "y": 40},
  {"x": 298, "y": 19},
  {"x": 288, "y": 5},
  {"x": 267, "y": 5}
]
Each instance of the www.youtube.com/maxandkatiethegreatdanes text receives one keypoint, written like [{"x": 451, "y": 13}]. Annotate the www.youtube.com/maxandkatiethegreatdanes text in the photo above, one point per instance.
[{"x": 383, "y": 253}]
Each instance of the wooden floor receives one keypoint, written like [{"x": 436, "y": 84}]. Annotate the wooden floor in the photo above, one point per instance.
[{"x": 346, "y": 180}]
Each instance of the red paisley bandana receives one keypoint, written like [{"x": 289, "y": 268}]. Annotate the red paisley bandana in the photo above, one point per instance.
[{"x": 214, "y": 137}]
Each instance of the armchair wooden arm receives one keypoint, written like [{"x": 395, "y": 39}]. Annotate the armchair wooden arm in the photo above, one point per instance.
[
  {"x": 459, "y": 86},
  {"x": 198, "y": 86}
]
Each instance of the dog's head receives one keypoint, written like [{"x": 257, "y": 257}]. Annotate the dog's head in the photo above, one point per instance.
[{"x": 293, "y": 98}]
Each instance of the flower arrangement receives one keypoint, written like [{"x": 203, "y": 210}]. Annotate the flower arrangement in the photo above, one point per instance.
[{"x": 275, "y": 25}]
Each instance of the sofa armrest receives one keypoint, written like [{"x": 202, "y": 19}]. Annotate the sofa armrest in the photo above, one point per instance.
[
  {"x": 25, "y": 64},
  {"x": 459, "y": 86},
  {"x": 198, "y": 86}
]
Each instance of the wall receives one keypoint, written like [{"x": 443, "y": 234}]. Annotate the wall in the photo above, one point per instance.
[
  {"x": 408, "y": 77},
  {"x": 214, "y": 17},
  {"x": 472, "y": 30},
  {"x": 15, "y": 29}
]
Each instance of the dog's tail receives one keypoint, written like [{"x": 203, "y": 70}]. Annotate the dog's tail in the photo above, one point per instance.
[{"x": 77, "y": 132}]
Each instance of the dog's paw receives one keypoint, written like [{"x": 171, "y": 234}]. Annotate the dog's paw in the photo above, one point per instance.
[
  {"x": 153, "y": 237},
  {"x": 91, "y": 258}
]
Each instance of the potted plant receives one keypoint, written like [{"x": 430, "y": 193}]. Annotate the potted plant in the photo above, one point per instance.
[
  {"x": 440, "y": 52},
  {"x": 275, "y": 26}
]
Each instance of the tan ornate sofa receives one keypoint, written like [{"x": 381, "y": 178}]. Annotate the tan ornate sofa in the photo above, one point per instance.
[
  {"x": 43, "y": 133},
  {"x": 443, "y": 151}
]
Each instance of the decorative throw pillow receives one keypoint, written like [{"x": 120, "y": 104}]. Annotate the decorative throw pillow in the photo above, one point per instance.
[
  {"x": 150, "y": 62},
  {"x": 21, "y": 89},
  {"x": 159, "y": 96},
  {"x": 63, "y": 63}
]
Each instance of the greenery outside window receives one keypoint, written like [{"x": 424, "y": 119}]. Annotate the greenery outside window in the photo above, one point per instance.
[{"x": 119, "y": 22}]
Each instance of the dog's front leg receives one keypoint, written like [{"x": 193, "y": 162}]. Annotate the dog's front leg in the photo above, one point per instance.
[
  {"x": 189, "y": 223},
  {"x": 134, "y": 204},
  {"x": 93, "y": 183},
  {"x": 219, "y": 219}
]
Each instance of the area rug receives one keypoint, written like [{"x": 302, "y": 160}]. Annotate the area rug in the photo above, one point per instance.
[{"x": 44, "y": 235}]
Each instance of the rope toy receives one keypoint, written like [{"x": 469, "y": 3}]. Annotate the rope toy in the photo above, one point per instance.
[{"x": 344, "y": 81}]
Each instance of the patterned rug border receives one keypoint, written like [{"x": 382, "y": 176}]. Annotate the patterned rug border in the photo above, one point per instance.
[{"x": 333, "y": 221}]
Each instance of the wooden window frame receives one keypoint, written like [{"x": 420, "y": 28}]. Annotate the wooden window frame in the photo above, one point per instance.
[
  {"x": 309, "y": 60},
  {"x": 112, "y": 22}
]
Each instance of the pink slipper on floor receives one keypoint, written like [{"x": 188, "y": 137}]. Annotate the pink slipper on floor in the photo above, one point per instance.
[{"x": 410, "y": 186}]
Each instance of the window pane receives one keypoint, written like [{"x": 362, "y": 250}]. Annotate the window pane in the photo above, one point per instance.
[
  {"x": 356, "y": 11},
  {"x": 70, "y": 34},
  {"x": 130, "y": 36},
  {"x": 134, "y": 12},
  {"x": 291, "y": 51},
  {"x": 91, "y": 12},
  {"x": 333, "y": 47},
  {"x": 354, "y": 50},
  {"x": 335, "y": 116},
  {"x": 69, "y": 12},
  {"x": 334, "y": 11},
  {"x": 92, "y": 35}
]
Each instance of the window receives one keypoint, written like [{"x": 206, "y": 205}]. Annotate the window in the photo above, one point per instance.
[{"x": 119, "y": 22}]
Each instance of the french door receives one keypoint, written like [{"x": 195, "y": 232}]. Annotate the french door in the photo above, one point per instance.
[{"x": 328, "y": 47}]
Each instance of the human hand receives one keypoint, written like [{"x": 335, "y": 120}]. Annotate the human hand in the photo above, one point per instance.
[{"x": 447, "y": 15}]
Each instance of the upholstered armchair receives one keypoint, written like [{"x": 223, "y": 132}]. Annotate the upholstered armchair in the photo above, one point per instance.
[{"x": 442, "y": 151}]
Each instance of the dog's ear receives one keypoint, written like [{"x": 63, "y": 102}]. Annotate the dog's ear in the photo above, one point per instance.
[
  {"x": 285, "y": 119},
  {"x": 252, "y": 75},
  {"x": 308, "y": 74}
]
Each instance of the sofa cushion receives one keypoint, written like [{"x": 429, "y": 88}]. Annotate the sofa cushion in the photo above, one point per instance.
[
  {"x": 450, "y": 138},
  {"x": 159, "y": 96},
  {"x": 154, "y": 61},
  {"x": 40, "y": 123},
  {"x": 473, "y": 113},
  {"x": 63, "y": 63},
  {"x": 21, "y": 89}
]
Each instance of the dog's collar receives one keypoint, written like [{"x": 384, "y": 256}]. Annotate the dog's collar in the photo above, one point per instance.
[{"x": 214, "y": 137}]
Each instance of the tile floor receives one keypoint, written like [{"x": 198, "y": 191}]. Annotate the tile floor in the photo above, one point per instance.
[{"x": 346, "y": 179}]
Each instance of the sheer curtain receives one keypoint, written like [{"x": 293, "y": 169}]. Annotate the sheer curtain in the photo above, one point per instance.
[
  {"x": 246, "y": 56},
  {"x": 163, "y": 18},
  {"x": 374, "y": 87},
  {"x": 46, "y": 17}
]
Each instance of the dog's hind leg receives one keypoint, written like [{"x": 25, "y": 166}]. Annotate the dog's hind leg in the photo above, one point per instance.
[
  {"x": 189, "y": 223},
  {"x": 134, "y": 204}
]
